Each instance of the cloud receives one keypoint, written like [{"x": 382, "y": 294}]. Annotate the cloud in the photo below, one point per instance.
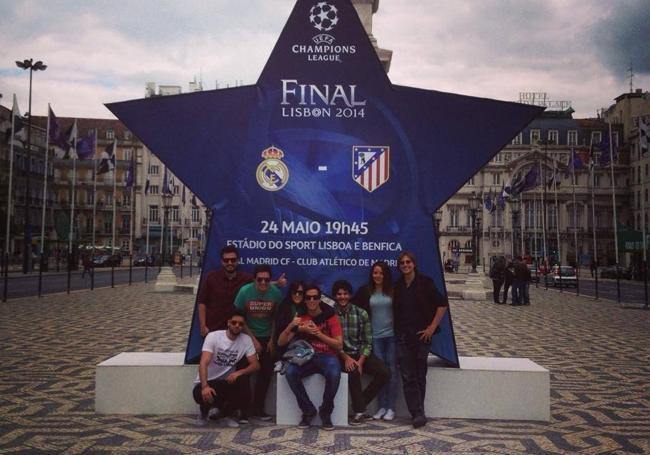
[{"x": 622, "y": 38}]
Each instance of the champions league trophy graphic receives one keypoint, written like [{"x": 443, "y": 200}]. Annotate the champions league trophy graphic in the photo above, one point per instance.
[{"x": 324, "y": 166}]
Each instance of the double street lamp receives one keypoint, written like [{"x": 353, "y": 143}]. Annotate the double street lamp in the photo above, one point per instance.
[
  {"x": 167, "y": 201},
  {"x": 27, "y": 244}
]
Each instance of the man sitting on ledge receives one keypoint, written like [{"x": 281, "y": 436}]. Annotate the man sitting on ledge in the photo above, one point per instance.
[
  {"x": 218, "y": 384},
  {"x": 322, "y": 329}
]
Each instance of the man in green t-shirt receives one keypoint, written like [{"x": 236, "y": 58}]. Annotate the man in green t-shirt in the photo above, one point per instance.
[{"x": 259, "y": 301}]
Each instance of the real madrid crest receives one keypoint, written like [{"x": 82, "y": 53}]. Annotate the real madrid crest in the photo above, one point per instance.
[{"x": 272, "y": 174}]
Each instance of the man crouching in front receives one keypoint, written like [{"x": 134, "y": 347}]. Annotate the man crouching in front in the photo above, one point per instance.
[
  {"x": 321, "y": 328},
  {"x": 218, "y": 384}
]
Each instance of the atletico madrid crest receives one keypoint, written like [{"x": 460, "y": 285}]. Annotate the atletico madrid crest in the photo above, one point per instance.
[{"x": 370, "y": 165}]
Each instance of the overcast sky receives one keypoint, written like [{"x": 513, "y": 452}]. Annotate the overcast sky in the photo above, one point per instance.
[{"x": 100, "y": 51}]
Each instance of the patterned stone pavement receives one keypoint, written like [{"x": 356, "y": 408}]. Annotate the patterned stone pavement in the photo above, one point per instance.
[{"x": 597, "y": 352}]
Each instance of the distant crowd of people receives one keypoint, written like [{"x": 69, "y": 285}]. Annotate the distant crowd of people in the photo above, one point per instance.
[
  {"x": 511, "y": 275},
  {"x": 250, "y": 328}
]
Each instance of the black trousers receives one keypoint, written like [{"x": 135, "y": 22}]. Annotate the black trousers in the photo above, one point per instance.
[
  {"x": 263, "y": 377},
  {"x": 380, "y": 376},
  {"x": 412, "y": 357},
  {"x": 228, "y": 399},
  {"x": 506, "y": 287},
  {"x": 496, "y": 284}
]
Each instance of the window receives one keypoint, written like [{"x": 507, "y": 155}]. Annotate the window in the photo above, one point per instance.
[
  {"x": 638, "y": 199},
  {"x": 153, "y": 189},
  {"x": 646, "y": 169},
  {"x": 578, "y": 215},
  {"x": 127, "y": 135},
  {"x": 496, "y": 218},
  {"x": 496, "y": 179},
  {"x": 497, "y": 158},
  {"x": 638, "y": 175},
  {"x": 110, "y": 134},
  {"x": 552, "y": 217},
  {"x": 468, "y": 244},
  {"x": 125, "y": 244},
  {"x": 126, "y": 198},
  {"x": 553, "y": 136},
  {"x": 153, "y": 213},
  {"x": 572, "y": 137},
  {"x": 470, "y": 181},
  {"x": 517, "y": 139},
  {"x": 175, "y": 213},
  {"x": 109, "y": 198},
  {"x": 177, "y": 189},
  {"x": 154, "y": 169},
  {"x": 535, "y": 136},
  {"x": 596, "y": 180},
  {"x": 89, "y": 197},
  {"x": 196, "y": 215},
  {"x": 646, "y": 195},
  {"x": 596, "y": 137},
  {"x": 615, "y": 138},
  {"x": 454, "y": 219},
  {"x": 195, "y": 233},
  {"x": 126, "y": 222},
  {"x": 126, "y": 154},
  {"x": 108, "y": 224}
]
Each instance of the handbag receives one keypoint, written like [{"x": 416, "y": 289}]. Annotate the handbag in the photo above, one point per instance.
[{"x": 298, "y": 352}]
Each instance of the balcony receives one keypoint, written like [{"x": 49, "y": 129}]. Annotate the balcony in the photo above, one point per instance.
[{"x": 457, "y": 229}]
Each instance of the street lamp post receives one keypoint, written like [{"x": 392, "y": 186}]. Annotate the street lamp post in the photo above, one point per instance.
[
  {"x": 166, "y": 280},
  {"x": 479, "y": 234},
  {"x": 27, "y": 255},
  {"x": 515, "y": 210},
  {"x": 474, "y": 204}
]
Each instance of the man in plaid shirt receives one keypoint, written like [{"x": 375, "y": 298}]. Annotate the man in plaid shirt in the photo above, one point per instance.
[{"x": 356, "y": 356}]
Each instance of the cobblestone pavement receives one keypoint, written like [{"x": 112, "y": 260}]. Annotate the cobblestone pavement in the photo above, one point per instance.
[{"x": 597, "y": 352}]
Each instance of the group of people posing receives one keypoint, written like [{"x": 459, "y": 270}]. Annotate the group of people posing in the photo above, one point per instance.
[
  {"x": 383, "y": 328},
  {"x": 514, "y": 274}
]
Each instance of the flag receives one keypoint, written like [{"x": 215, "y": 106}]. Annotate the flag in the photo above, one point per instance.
[
  {"x": 165, "y": 186},
  {"x": 644, "y": 135},
  {"x": 147, "y": 184},
  {"x": 107, "y": 160},
  {"x": 555, "y": 177},
  {"x": 487, "y": 202},
  {"x": 501, "y": 199},
  {"x": 18, "y": 135},
  {"x": 130, "y": 176},
  {"x": 604, "y": 148},
  {"x": 57, "y": 138},
  {"x": 69, "y": 145},
  {"x": 86, "y": 147},
  {"x": 530, "y": 181}
]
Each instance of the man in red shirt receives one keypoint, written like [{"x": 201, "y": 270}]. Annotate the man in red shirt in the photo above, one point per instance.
[
  {"x": 322, "y": 329},
  {"x": 218, "y": 290}
]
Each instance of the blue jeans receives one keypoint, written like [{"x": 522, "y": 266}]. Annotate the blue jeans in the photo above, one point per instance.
[
  {"x": 325, "y": 364},
  {"x": 384, "y": 348}
]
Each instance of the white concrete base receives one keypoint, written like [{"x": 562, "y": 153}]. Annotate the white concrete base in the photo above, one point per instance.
[
  {"x": 288, "y": 412},
  {"x": 166, "y": 280},
  {"x": 483, "y": 388}
]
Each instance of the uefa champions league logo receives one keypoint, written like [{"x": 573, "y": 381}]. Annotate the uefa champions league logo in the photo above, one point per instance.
[{"x": 323, "y": 16}]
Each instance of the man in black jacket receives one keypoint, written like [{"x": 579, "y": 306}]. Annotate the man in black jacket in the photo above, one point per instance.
[{"x": 418, "y": 310}]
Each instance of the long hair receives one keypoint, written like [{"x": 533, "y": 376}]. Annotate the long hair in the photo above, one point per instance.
[{"x": 387, "y": 285}]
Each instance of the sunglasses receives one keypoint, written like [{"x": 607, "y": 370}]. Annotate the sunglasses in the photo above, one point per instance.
[
  {"x": 312, "y": 297},
  {"x": 229, "y": 260},
  {"x": 406, "y": 261},
  {"x": 237, "y": 323},
  {"x": 263, "y": 280},
  {"x": 298, "y": 292}
]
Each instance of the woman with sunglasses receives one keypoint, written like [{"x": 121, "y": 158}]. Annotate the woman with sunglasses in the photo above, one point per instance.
[
  {"x": 293, "y": 305},
  {"x": 376, "y": 298},
  {"x": 418, "y": 309}
]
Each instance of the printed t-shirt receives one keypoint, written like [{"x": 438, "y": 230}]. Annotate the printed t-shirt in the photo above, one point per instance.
[
  {"x": 330, "y": 327},
  {"x": 259, "y": 307},
  {"x": 225, "y": 353}
]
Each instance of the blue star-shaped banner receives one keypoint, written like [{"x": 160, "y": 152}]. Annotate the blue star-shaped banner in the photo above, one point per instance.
[{"x": 282, "y": 162}]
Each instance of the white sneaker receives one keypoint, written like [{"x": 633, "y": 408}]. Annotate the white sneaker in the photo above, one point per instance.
[
  {"x": 230, "y": 422},
  {"x": 379, "y": 414},
  {"x": 390, "y": 415},
  {"x": 214, "y": 414},
  {"x": 201, "y": 421}
]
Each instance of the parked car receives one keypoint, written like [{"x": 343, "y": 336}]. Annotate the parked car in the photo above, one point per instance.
[
  {"x": 561, "y": 276},
  {"x": 610, "y": 272},
  {"x": 107, "y": 260},
  {"x": 449, "y": 265},
  {"x": 143, "y": 260}
]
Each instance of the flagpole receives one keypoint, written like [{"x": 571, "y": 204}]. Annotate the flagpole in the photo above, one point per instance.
[
  {"x": 92, "y": 254},
  {"x": 611, "y": 168},
  {"x": 575, "y": 219},
  {"x": 643, "y": 233},
  {"x": 47, "y": 150},
  {"x": 74, "y": 183},
  {"x": 131, "y": 218},
  {"x": 557, "y": 223},
  {"x": 543, "y": 201},
  {"x": 593, "y": 211},
  {"x": 9, "y": 194},
  {"x": 114, "y": 210}
]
